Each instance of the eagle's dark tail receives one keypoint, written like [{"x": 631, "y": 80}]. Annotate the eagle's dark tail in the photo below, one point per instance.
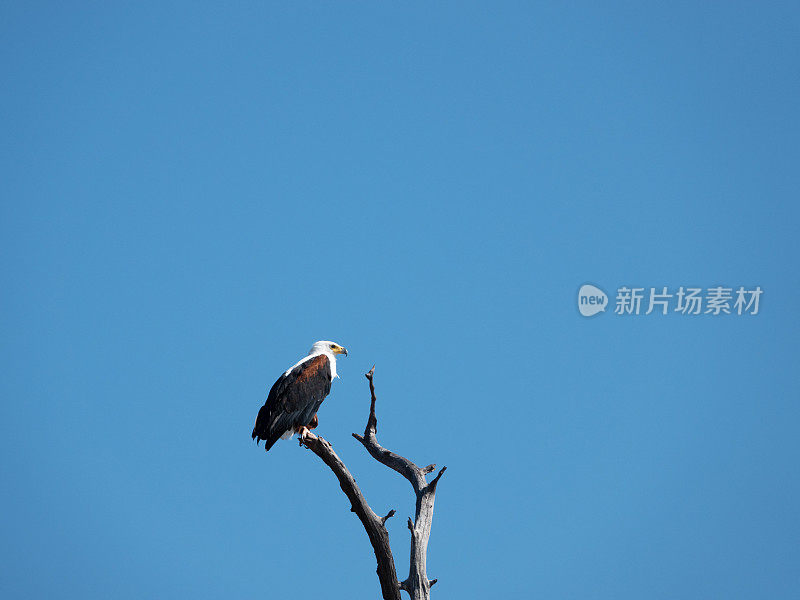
[
  {"x": 270, "y": 442},
  {"x": 261, "y": 429}
]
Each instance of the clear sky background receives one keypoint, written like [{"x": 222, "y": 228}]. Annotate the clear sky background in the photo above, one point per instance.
[{"x": 192, "y": 194}]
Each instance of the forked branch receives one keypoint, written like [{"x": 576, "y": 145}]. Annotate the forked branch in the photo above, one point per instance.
[
  {"x": 373, "y": 524},
  {"x": 416, "y": 584}
]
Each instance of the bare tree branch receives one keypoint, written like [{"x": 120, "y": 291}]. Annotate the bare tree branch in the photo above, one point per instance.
[
  {"x": 373, "y": 524},
  {"x": 402, "y": 465},
  {"x": 433, "y": 483},
  {"x": 416, "y": 584}
]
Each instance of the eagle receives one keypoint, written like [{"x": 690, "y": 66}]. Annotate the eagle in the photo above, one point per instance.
[{"x": 296, "y": 396}]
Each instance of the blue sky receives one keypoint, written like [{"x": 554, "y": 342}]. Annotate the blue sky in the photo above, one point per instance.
[{"x": 193, "y": 194}]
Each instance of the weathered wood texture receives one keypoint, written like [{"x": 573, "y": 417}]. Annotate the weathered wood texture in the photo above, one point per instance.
[
  {"x": 416, "y": 584},
  {"x": 373, "y": 524}
]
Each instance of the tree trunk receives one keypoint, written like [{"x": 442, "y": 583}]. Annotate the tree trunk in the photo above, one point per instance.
[{"x": 417, "y": 583}]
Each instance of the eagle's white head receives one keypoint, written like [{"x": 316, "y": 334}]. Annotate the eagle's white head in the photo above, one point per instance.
[
  {"x": 326, "y": 347},
  {"x": 330, "y": 349}
]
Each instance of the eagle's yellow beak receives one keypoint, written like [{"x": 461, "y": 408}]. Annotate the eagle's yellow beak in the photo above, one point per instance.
[{"x": 339, "y": 350}]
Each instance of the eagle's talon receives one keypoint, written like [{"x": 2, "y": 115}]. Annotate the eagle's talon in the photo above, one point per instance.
[{"x": 303, "y": 433}]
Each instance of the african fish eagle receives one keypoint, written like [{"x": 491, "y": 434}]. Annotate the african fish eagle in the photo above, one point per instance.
[{"x": 294, "y": 399}]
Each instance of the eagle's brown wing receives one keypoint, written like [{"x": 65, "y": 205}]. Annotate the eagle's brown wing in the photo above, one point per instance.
[{"x": 293, "y": 400}]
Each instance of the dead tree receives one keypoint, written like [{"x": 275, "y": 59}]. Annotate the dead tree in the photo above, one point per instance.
[{"x": 416, "y": 584}]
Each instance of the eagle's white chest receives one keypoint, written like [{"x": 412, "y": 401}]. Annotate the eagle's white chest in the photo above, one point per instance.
[{"x": 332, "y": 358}]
